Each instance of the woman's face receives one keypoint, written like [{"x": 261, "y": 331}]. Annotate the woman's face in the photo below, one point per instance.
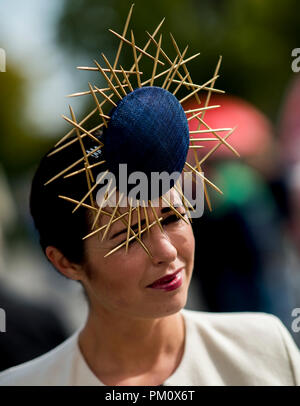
[{"x": 123, "y": 283}]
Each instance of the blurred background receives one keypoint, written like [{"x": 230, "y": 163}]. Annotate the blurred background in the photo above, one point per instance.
[{"x": 248, "y": 246}]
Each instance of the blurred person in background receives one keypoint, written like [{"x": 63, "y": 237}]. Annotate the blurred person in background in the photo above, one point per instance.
[
  {"x": 242, "y": 236},
  {"x": 292, "y": 234},
  {"x": 289, "y": 163},
  {"x": 31, "y": 327}
]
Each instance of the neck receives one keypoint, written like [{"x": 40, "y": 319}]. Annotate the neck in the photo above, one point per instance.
[{"x": 114, "y": 343}]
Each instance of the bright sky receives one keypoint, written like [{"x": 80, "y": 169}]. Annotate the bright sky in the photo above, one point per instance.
[{"x": 27, "y": 36}]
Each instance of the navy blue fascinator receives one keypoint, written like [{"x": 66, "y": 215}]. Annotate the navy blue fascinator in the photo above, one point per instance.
[{"x": 140, "y": 123}]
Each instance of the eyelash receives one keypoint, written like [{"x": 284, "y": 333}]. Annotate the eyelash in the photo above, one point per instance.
[
  {"x": 170, "y": 219},
  {"x": 165, "y": 222}
]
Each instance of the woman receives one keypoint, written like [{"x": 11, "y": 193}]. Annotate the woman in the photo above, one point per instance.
[{"x": 134, "y": 334}]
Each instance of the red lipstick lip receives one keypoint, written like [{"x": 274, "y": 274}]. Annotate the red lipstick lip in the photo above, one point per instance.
[{"x": 164, "y": 279}]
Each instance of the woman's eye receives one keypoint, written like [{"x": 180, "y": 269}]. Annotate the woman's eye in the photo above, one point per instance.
[
  {"x": 129, "y": 242},
  {"x": 172, "y": 219},
  {"x": 168, "y": 220}
]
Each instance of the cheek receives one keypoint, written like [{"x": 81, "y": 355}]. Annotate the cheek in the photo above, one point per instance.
[
  {"x": 184, "y": 242},
  {"x": 109, "y": 283},
  {"x": 116, "y": 273}
]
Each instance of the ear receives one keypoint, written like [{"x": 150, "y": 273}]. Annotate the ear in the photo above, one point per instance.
[{"x": 62, "y": 264}]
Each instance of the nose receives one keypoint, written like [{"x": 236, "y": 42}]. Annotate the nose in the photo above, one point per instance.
[{"x": 161, "y": 247}]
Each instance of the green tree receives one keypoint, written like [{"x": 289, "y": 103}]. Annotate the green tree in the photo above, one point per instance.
[
  {"x": 255, "y": 38},
  {"x": 19, "y": 148}
]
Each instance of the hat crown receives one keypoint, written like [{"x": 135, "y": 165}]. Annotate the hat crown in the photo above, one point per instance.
[{"x": 148, "y": 131}]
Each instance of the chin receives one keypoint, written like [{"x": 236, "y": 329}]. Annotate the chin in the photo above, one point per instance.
[{"x": 172, "y": 306}]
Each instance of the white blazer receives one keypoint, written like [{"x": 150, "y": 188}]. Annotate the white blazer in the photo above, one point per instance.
[{"x": 220, "y": 349}]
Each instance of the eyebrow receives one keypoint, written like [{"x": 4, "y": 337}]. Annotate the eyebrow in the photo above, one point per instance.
[{"x": 135, "y": 226}]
